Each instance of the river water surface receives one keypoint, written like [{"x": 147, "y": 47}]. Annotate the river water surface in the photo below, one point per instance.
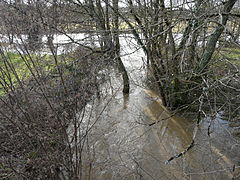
[{"x": 122, "y": 146}]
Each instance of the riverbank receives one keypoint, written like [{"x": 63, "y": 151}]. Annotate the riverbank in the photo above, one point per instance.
[{"x": 73, "y": 118}]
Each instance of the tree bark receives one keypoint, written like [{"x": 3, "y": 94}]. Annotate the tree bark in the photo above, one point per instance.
[
  {"x": 211, "y": 44},
  {"x": 122, "y": 69}
]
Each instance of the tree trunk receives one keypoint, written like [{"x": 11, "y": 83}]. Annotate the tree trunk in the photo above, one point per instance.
[
  {"x": 121, "y": 66},
  {"x": 211, "y": 44}
]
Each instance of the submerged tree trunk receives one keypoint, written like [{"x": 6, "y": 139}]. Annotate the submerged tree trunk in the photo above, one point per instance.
[
  {"x": 126, "y": 86},
  {"x": 122, "y": 69}
]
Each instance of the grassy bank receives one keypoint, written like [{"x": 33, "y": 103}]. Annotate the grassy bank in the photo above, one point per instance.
[
  {"x": 43, "y": 98},
  {"x": 18, "y": 68}
]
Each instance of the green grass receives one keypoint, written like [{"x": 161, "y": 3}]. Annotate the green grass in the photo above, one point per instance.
[
  {"x": 225, "y": 59},
  {"x": 21, "y": 65},
  {"x": 231, "y": 54},
  {"x": 227, "y": 55}
]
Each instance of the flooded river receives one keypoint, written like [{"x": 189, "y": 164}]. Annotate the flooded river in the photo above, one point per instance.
[
  {"x": 132, "y": 137},
  {"x": 122, "y": 145}
]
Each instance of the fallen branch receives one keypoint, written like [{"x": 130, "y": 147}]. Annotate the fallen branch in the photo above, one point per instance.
[{"x": 182, "y": 153}]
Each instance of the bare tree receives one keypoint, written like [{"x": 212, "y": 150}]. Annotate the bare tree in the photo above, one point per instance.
[{"x": 47, "y": 100}]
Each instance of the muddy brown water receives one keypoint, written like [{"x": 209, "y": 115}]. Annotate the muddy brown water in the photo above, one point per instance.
[{"x": 122, "y": 146}]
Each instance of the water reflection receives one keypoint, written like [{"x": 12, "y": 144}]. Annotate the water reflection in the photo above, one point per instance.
[
  {"x": 121, "y": 144},
  {"x": 126, "y": 147}
]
